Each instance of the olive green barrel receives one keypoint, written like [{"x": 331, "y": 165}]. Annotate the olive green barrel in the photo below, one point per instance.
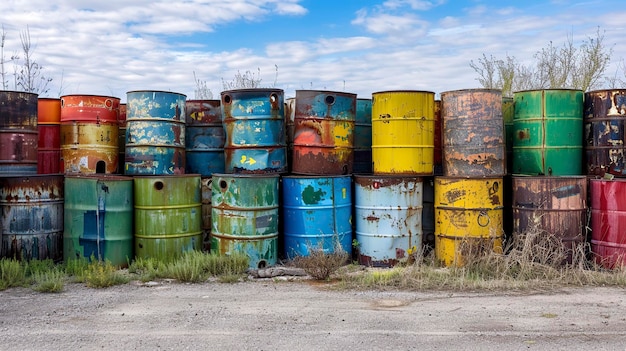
[
  {"x": 548, "y": 132},
  {"x": 168, "y": 215},
  {"x": 245, "y": 217},
  {"x": 98, "y": 218}
]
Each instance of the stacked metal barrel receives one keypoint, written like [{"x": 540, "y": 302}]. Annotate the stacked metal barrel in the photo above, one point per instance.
[
  {"x": 245, "y": 197},
  {"x": 469, "y": 195},
  {"x": 549, "y": 191}
]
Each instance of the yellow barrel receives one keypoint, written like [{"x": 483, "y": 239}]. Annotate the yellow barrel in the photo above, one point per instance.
[
  {"x": 403, "y": 132},
  {"x": 468, "y": 218},
  {"x": 89, "y": 148}
]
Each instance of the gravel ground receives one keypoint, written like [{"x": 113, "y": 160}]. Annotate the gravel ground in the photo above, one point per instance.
[{"x": 273, "y": 314}]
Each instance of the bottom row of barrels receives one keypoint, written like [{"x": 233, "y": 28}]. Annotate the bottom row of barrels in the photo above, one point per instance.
[{"x": 119, "y": 218}]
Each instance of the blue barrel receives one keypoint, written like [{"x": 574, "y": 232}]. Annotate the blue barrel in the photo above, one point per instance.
[
  {"x": 204, "y": 137},
  {"x": 363, "y": 137},
  {"x": 31, "y": 206},
  {"x": 388, "y": 218},
  {"x": 155, "y": 133},
  {"x": 254, "y": 121},
  {"x": 317, "y": 212}
]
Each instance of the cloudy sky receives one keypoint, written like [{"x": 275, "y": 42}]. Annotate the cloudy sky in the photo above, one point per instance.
[{"x": 358, "y": 46}]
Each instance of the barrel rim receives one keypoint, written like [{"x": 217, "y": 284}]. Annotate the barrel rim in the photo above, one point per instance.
[
  {"x": 528, "y": 176},
  {"x": 89, "y": 95},
  {"x": 305, "y": 176},
  {"x": 155, "y": 91},
  {"x": 204, "y": 100},
  {"x": 157, "y": 176},
  {"x": 472, "y": 90},
  {"x": 472, "y": 177},
  {"x": 49, "y": 99},
  {"x": 98, "y": 176},
  {"x": 605, "y": 91},
  {"x": 19, "y": 92},
  {"x": 549, "y": 89},
  {"x": 389, "y": 176},
  {"x": 246, "y": 175},
  {"x": 363, "y": 99},
  {"x": 250, "y": 90},
  {"x": 326, "y": 92},
  {"x": 616, "y": 180},
  {"x": 403, "y": 91},
  {"x": 30, "y": 175}
]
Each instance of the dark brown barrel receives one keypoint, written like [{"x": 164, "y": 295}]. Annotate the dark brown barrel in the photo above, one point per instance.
[
  {"x": 18, "y": 132},
  {"x": 323, "y": 141},
  {"x": 604, "y": 117},
  {"x": 32, "y": 216},
  {"x": 473, "y": 133},
  {"x": 554, "y": 205}
]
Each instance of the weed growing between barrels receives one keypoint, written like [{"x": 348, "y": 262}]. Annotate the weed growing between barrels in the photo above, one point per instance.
[
  {"x": 321, "y": 265},
  {"x": 51, "y": 281},
  {"x": 103, "y": 275},
  {"x": 12, "y": 274}
]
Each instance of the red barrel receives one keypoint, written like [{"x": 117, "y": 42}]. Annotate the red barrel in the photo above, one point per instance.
[
  {"x": 89, "y": 108},
  {"x": 608, "y": 221},
  {"x": 49, "y": 149}
]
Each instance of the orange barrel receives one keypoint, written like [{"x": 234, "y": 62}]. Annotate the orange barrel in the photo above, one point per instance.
[
  {"x": 605, "y": 118},
  {"x": 31, "y": 206},
  {"x": 155, "y": 133},
  {"x": 468, "y": 218},
  {"x": 89, "y": 108},
  {"x": 555, "y": 205},
  {"x": 89, "y": 148},
  {"x": 18, "y": 132},
  {"x": 48, "y": 111},
  {"x": 403, "y": 132},
  {"x": 608, "y": 222},
  {"x": 473, "y": 133},
  {"x": 323, "y": 141}
]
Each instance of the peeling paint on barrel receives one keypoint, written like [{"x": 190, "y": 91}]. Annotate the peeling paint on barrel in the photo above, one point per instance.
[
  {"x": 473, "y": 133},
  {"x": 254, "y": 123},
  {"x": 32, "y": 216},
  {"x": 18, "y": 132},
  {"x": 324, "y": 132},
  {"x": 317, "y": 213},
  {"x": 604, "y": 121},
  {"x": 18, "y": 110},
  {"x": 555, "y": 205},
  {"x": 608, "y": 222},
  {"x": 89, "y": 148},
  {"x": 89, "y": 108},
  {"x": 204, "y": 137},
  {"x": 245, "y": 215},
  {"x": 468, "y": 218},
  {"x": 388, "y": 218},
  {"x": 98, "y": 218}
]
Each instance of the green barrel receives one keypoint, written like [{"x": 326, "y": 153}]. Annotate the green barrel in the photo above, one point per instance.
[
  {"x": 245, "y": 217},
  {"x": 548, "y": 132},
  {"x": 168, "y": 215},
  {"x": 98, "y": 218}
]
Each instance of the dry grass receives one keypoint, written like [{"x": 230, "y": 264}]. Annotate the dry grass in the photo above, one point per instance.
[{"x": 321, "y": 265}]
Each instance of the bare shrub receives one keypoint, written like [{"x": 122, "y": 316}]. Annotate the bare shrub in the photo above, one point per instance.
[{"x": 319, "y": 264}]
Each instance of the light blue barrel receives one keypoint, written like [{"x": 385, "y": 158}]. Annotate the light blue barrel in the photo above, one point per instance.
[
  {"x": 388, "y": 218},
  {"x": 155, "y": 133},
  {"x": 317, "y": 212},
  {"x": 204, "y": 137},
  {"x": 254, "y": 122}
]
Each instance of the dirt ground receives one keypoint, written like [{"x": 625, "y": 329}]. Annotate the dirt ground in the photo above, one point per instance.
[{"x": 273, "y": 314}]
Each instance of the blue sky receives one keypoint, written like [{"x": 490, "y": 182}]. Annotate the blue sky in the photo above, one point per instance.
[{"x": 357, "y": 46}]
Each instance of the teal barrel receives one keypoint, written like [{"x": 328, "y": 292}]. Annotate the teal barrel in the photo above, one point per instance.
[
  {"x": 244, "y": 216},
  {"x": 32, "y": 216},
  {"x": 317, "y": 212},
  {"x": 548, "y": 132},
  {"x": 254, "y": 122},
  {"x": 155, "y": 133},
  {"x": 363, "y": 137},
  {"x": 204, "y": 137},
  {"x": 168, "y": 215},
  {"x": 388, "y": 218},
  {"x": 98, "y": 218}
]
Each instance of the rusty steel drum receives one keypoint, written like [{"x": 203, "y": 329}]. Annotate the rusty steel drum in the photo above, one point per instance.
[
  {"x": 554, "y": 205},
  {"x": 508, "y": 112},
  {"x": 207, "y": 193},
  {"x": 254, "y": 122},
  {"x": 290, "y": 120},
  {"x": 155, "y": 133},
  {"x": 604, "y": 120},
  {"x": 438, "y": 142},
  {"x": 323, "y": 141},
  {"x": 388, "y": 218},
  {"x": 48, "y": 111},
  {"x": 473, "y": 133},
  {"x": 468, "y": 218},
  {"x": 245, "y": 217},
  {"x": 49, "y": 149},
  {"x": 121, "y": 144},
  {"x": 548, "y": 132},
  {"x": 168, "y": 215},
  {"x": 317, "y": 214},
  {"x": 18, "y": 132},
  {"x": 32, "y": 216},
  {"x": 90, "y": 108},
  {"x": 98, "y": 218},
  {"x": 363, "y": 137},
  {"x": 608, "y": 222},
  {"x": 403, "y": 131},
  {"x": 204, "y": 137},
  {"x": 89, "y": 148}
]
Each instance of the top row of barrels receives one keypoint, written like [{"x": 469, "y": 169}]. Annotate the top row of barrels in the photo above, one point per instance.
[{"x": 472, "y": 132}]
